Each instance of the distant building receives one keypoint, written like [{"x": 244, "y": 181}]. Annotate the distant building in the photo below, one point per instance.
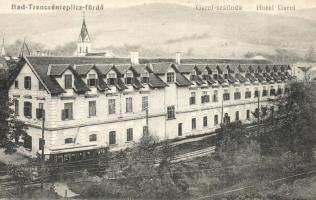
[{"x": 304, "y": 71}]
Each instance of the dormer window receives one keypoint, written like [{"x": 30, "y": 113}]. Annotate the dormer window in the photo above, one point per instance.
[
  {"x": 27, "y": 82},
  {"x": 225, "y": 75},
  {"x": 128, "y": 78},
  {"x": 170, "y": 77},
  {"x": 144, "y": 77},
  {"x": 111, "y": 78},
  {"x": 215, "y": 76},
  {"x": 68, "y": 81},
  {"x": 92, "y": 80}
]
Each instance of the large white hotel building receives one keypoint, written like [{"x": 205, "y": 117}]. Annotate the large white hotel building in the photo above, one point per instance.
[{"x": 94, "y": 101}]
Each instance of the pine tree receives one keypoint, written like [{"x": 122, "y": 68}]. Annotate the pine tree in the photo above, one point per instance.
[{"x": 11, "y": 129}]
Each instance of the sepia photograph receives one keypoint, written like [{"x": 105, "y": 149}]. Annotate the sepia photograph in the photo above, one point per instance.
[{"x": 158, "y": 99}]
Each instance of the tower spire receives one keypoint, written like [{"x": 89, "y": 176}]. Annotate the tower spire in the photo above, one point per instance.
[{"x": 83, "y": 43}]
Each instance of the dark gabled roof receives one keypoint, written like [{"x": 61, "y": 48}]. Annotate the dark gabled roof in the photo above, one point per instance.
[
  {"x": 253, "y": 68},
  {"x": 231, "y": 79},
  {"x": 83, "y": 69},
  {"x": 251, "y": 77},
  {"x": 136, "y": 84},
  {"x": 269, "y": 68},
  {"x": 104, "y": 69},
  {"x": 122, "y": 69},
  {"x": 232, "y": 68},
  {"x": 186, "y": 68},
  {"x": 221, "y": 80},
  {"x": 200, "y": 68},
  {"x": 212, "y": 68},
  {"x": 120, "y": 84},
  {"x": 141, "y": 68},
  {"x": 210, "y": 80},
  {"x": 260, "y": 77},
  {"x": 102, "y": 85},
  {"x": 261, "y": 68},
  {"x": 269, "y": 78},
  {"x": 160, "y": 68},
  {"x": 57, "y": 70},
  {"x": 182, "y": 81},
  {"x": 156, "y": 82},
  {"x": 241, "y": 78},
  {"x": 242, "y": 68}
]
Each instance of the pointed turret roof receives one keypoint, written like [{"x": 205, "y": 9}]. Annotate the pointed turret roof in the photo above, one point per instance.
[{"x": 84, "y": 35}]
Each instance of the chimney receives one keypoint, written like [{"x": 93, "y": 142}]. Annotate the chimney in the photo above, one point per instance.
[
  {"x": 178, "y": 57},
  {"x": 134, "y": 58}
]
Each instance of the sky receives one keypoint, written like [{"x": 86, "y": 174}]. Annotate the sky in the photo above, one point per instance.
[{"x": 249, "y": 5}]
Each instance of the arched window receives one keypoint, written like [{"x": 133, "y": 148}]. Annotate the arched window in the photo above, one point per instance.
[
  {"x": 112, "y": 137},
  {"x": 27, "y": 82}
]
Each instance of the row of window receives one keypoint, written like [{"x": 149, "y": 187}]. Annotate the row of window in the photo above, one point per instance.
[
  {"x": 226, "y": 119},
  {"x": 205, "y": 98},
  {"x": 112, "y": 137},
  {"x": 28, "y": 84}
]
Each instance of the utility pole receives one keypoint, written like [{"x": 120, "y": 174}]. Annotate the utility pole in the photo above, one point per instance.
[
  {"x": 258, "y": 123},
  {"x": 147, "y": 129},
  {"x": 43, "y": 146},
  {"x": 222, "y": 113}
]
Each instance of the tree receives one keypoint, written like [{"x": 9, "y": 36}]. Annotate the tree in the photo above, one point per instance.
[
  {"x": 295, "y": 130},
  {"x": 11, "y": 129}
]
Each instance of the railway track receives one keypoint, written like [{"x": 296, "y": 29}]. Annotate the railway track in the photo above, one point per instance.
[{"x": 194, "y": 154}]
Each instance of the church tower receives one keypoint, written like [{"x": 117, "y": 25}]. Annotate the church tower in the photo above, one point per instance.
[{"x": 83, "y": 43}]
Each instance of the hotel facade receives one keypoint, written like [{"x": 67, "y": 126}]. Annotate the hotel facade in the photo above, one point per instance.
[{"x": 94, "y": 101}]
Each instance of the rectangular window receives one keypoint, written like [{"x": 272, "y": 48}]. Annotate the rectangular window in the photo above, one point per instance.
[
  {"x": 237, "y": 115},
  {"x": 144, "y": 103},
  {"x": 111, "y": 77},
  {"x": 16, "y": 84},
  {"x": 192, "y": 98},
  {"x": 272, "y": 91},
  {"x": 27, "y": 83},
  {"x": 92, "y": 108},
  {"x": 247, "y": 94},
  {"x": 279, "y": 91},
  {"x": 16, "y": 107},
  {"x": 67, "y": 113},
  {"x": 193, "y": 123},
  {"x": 257, "y": 93},
  {"x": 215, "y": 119},
  {"x": 41, "y": 143},
  {"x": 205, "y": 121},
  {"x": 144, "y": 77},
  {"x": 205, "y": 98},
  {"x": 93, "y": 137},
  {"x": 92, "y": 81},
  {"x": 40, "y": 111},
  {"x": 264, "y": 92},
  {"x": 69, "y": 140},
  {"x": 248, "y": 114},
  {"x": 129, "y": 104},
  {"x": 180, "y": 129},
  {"x": 129, "y": 134},
  {"x": 112, "y": 137},
  {"x": 28, "y": 109},
  {"x": 226, "y": 118},
  {"x": 170, "y": 112},
  {"x": 226, "y": 96},
  {"x": 111, "y": 106},
  {"x": 128, "y": 78},
  {"x": 237, "y": 95},
  {"x": 215, "y": 96},
  {"x": 170, "y": 77},
  {"x": 68, "y": 81}
]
